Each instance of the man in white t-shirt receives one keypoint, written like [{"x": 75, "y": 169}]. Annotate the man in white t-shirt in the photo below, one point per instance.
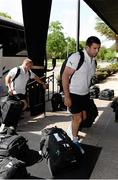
[
  {"x": 18, "y": 86},
  {"x": 76, "y": 91}
]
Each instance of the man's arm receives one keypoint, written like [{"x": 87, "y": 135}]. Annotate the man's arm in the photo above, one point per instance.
[
  {"x": 8, "y": 84},
  {"x": 65, "y": 83},
  {"x": 45, "y": 86}
]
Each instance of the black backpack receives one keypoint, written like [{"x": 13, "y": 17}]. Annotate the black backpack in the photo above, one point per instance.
[
  {"x": 64, "y": 65},
  {"x": 15, "y": 146},
  {"x": 59, "y": 150},
  {"x": 57, "y": 102}
]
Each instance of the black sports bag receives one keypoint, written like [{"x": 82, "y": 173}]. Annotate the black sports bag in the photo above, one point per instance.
[
  {"x": 59, "y": 150},
  {"x": 15, "y": 146},
  {"x": 12, "y": 168}
]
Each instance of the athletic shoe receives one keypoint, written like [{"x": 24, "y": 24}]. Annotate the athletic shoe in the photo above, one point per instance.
[
  {"x": 11, "y": 131},
  {"x": 79, "y": 147},
  {"x": 3, "y": 129}
]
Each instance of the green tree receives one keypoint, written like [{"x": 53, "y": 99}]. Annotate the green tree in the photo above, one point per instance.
[
  {"x": 106, "y": 54},
  {"x": 56, "y": 42},
  {"x": 82, "y": 44},
  {"x": 70, "y": 46},
  {"x": 5, "y": 15},
  {"x": 101, "y": 54},
  {"x": 105, "y": 30},
  {"x": 110, "y": 54}
]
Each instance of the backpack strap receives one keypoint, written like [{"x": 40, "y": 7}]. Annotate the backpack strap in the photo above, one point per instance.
[
  {"x": 79, "y": 64},
  {"x": 81, "y": 59},
  {"x": 17, "y": 74},
  {"x": 29, "y": 74},
  {"x": 95, "y": 63}
]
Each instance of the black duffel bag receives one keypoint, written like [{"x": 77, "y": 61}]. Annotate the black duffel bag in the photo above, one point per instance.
[
  {"x": 94, "y": 91},
  {"x": 106, "y": 94},
  {"x": 59, "y": 150},
  {"x": 11, "y": 111},
  {"x": 12, "y": 168},
  {"x": 15, "y": 146}
]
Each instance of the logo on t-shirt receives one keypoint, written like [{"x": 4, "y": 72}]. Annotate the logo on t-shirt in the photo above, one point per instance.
[{"x": 71, "y": 63}]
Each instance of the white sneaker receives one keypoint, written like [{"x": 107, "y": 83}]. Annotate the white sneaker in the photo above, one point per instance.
[
  {"x": 2, "y": 128},
  {"x": 69, "y": 131},
  {"x": 79, "y": 147}
]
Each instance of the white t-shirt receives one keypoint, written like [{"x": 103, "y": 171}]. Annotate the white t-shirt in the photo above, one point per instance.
[
  {"x": 80, "y": 81},
  {"x": 19, "y": 84}
]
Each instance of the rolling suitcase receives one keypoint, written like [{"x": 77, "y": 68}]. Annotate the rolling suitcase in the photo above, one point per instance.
[
  {"x": 36, "y": 98},
  {"x": 57, "y": 102}
]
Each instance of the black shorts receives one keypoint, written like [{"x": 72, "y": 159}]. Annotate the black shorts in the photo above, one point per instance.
[{"x": 79, "y": 103}]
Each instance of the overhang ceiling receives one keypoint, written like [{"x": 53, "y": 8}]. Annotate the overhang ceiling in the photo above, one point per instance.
[{"x": 107, "y": 10}]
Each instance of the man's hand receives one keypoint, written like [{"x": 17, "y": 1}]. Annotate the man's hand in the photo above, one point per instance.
[
  {"x": 46, "y": 86},
  {"x": 67, "y": 101},
  {"x": 10, "y": 91}
]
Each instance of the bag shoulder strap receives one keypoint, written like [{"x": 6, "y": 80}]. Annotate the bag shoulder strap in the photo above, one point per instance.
[
  {"x": 17, "y": 74},
  {"x": 95, "y": 63},
  {"x": 29, "y": 73},
  {"x": 81, "y": 59},
  {"x": 80, "y": 62}
]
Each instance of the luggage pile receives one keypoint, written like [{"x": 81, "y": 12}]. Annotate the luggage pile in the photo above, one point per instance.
[
  {"x": 15, "y": 154},
  {"x": 57, "y": 100},
  {"x": 13, "y": 157},
  {"x": 106, "y": 94}
]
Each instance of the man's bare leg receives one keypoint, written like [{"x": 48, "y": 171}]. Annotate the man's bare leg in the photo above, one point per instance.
[{"x": 76, "y": 121}]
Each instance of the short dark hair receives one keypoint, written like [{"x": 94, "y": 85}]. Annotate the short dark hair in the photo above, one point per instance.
[{"x": 91, "y": 40}]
